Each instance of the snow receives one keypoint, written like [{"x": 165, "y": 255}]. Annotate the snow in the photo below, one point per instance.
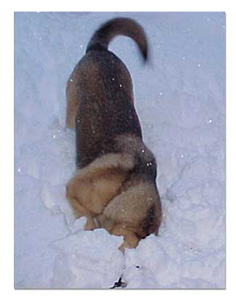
[{"x": 180, "y": 99}]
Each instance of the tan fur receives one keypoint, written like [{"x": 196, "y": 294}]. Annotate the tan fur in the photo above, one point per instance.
[
  {"x": 98, "y": 191},
  {"x": 72, "y": 100},
  {"x": 124, "y": 213},
  {"x": 93, "y": 187}
]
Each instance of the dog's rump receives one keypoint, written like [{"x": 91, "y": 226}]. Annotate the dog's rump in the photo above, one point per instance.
[{"x": 109, "y": 111}]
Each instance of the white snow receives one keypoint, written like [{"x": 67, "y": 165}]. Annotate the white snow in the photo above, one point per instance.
[{"x": 180, "y": 99}]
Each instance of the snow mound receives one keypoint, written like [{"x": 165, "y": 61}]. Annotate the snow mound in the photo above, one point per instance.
[{"x": 88, "y": 259}]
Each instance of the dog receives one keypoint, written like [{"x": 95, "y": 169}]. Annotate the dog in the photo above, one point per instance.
[{"x": 115, "y": 181}]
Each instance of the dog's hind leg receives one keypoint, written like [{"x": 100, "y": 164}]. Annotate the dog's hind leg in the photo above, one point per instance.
[
  {"x": 130, "y": 238},
  {"x": 81, "y": 211}
]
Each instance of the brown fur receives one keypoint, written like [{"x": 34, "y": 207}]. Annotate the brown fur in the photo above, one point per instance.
[{"x": 114, "y": 186}]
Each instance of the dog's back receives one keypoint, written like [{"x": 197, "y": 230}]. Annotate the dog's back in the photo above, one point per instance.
[{"x": 104, "y": 92}]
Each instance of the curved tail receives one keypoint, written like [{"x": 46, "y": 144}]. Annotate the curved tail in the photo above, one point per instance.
[{"x": 119, "y": 26}]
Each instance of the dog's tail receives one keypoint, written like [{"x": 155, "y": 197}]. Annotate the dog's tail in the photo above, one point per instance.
[{"x": 119, "y": 26}]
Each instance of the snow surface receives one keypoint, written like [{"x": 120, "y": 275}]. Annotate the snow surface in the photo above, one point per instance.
[{"x": 180, "y": 99}]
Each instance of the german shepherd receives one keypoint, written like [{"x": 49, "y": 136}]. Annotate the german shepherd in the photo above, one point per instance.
[{"x": 115, "y": 182}]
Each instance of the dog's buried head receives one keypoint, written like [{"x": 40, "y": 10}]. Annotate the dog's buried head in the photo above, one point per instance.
[{"x": 115, "y": 183}]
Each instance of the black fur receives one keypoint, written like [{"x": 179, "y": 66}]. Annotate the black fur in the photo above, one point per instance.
[{"x": 119, "y": 26}]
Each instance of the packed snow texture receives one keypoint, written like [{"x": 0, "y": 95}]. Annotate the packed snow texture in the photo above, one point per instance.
[{"x": 180, "y": 100}]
